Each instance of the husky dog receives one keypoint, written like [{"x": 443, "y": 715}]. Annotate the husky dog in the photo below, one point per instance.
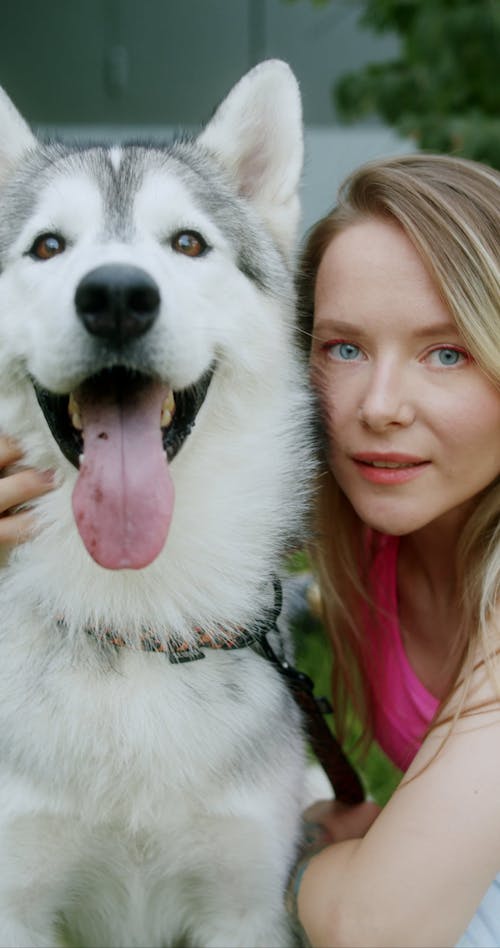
[{"x": 148, "y": 356}]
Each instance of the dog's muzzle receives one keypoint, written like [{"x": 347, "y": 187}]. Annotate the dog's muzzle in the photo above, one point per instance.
[{"x": 122, "y": 426}]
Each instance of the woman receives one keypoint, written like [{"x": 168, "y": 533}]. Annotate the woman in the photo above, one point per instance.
[{"x": 400, "y": 288}]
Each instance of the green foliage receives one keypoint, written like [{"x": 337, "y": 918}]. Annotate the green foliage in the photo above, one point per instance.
[{"x": 443, "y": 90}]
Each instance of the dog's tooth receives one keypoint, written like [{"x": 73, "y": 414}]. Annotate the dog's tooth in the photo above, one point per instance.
[
  {"x": 169, "y": 402},
  {"x": 74, "y": 412},
  {"x": 167, "y": 410},
  {"x": 81, "y": 459}
]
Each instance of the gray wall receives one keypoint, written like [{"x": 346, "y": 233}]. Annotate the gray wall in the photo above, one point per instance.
[
  {"x": 169, "y": 62},
  {"x": 81, "y": 67}
]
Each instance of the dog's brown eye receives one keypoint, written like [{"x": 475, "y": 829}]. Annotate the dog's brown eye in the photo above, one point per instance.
[
  {"x": 190, "y": 243},
  {"x": 47, "y": 246}
]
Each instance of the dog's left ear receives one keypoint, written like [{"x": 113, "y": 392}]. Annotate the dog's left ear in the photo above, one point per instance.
[
  {"x": 15, "y": 136},
  {"x": 257, "y": 134}
]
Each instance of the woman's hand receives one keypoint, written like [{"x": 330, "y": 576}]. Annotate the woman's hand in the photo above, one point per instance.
[
  {"x": 324, "y": 823},
  {"x": 19, "y": 488},
  {"x": 339, "y": 821},
  {"x": 329, "y": 821}
]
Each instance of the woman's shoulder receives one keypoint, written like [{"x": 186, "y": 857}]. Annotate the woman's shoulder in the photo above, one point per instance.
[
  {"x": 473, "y": 706},
  {"x": 477, "y": 692}
]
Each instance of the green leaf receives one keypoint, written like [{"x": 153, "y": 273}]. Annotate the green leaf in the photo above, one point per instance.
[{"x": 443, "y": 91}]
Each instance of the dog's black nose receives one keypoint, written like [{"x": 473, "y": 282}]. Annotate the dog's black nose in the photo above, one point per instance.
[{"x": 117, "y": 301}]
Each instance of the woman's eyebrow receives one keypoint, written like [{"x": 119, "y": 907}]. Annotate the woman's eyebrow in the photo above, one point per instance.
[
  {"x": 338, "y": 326},
  {"x": 437, "y": 330},
  {"x": 343, "y": 327}
]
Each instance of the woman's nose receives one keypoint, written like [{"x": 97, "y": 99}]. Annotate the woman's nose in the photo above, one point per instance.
[{"x": 387, "y": 399}]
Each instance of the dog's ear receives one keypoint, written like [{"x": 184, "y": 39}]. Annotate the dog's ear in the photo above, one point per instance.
[
  {"x": 15, "y": 136},
  {"x": 257, "y": 133}
]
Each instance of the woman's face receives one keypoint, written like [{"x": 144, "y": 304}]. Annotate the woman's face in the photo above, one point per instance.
[{"x": 413, "y": 423}]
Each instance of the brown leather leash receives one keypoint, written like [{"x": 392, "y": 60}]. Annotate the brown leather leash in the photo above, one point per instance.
[{"x": 345, "y": 781}]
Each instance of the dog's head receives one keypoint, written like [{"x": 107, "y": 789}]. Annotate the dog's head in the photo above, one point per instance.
[{"x": 133, "y": 281}]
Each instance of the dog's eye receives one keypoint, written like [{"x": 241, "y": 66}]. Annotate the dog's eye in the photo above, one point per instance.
[
  {"x": 190, "y": 243},
  {"x": 47, "y": 246}
]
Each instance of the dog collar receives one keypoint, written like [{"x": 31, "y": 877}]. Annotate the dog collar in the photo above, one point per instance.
[
  {"x": 179, "y": 652},
  {"x": 175, "y": 651}
]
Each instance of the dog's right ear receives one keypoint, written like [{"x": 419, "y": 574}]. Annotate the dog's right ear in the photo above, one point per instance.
[
  {"x": 256, "y": 133},
  {"x": 15, "y": 136}
]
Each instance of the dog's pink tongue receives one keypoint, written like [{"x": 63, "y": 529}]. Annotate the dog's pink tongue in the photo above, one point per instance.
[{"x": 124, "y": 496}]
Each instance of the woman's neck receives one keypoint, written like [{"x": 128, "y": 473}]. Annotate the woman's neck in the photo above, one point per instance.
[
  {"x": 429, "y": 604},
  {"x": 429, "y": 559},
  {"x": 432, "y": 553}
]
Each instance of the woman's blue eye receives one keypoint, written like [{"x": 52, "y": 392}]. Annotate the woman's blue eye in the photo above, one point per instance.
[
  {"x": 445, "y": 356},
  {"x": 448, "y": 356},
  {"x": 345, "y": 351}
]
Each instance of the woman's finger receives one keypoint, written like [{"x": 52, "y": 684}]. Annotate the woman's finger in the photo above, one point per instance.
[
  {"x": 16, "y": 528},
  {"x": 23, "y": 486}
]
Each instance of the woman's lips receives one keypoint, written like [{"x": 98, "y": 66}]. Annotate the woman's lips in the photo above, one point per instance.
[{"x": 393, "y": 468}]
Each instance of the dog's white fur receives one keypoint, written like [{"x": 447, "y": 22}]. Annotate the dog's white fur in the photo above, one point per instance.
[{"x": 143, "y": 802}]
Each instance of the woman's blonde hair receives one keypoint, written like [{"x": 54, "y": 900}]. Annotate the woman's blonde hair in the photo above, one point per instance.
[{"x": 450, "y": 210}]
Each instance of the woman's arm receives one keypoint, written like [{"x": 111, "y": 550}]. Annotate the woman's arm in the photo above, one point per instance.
[
  {"x": 18, "y": 489},
  {"x": 419, "y": 873}
]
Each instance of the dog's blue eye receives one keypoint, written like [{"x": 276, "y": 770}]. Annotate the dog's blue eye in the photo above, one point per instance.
[
  {"x": 47, "y": 246},
  {"x": 189, "y": 242}
]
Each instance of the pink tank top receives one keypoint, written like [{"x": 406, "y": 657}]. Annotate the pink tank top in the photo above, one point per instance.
[{"x": 402, "y": 705}]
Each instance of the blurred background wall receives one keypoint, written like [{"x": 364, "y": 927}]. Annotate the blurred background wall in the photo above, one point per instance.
[{"x": 121, "y": 68}]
